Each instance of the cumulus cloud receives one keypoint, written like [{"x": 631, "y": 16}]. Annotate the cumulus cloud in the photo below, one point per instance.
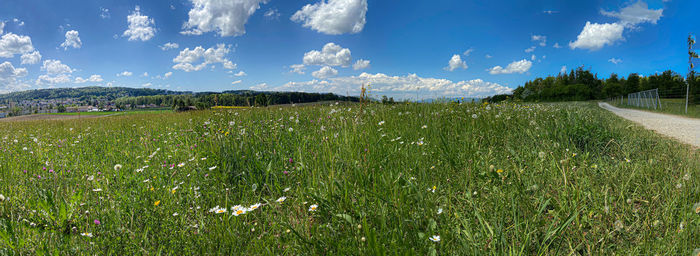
[
  {"x": 9, "y": 78},
  {"x": 594, "y": 36},
  {"x": 360, "y": 64},
  {"x": 236, "y": 82},
  {"x": 333, "y": 17},
  {"x": 11, "y": 44},
  {"x": 456, "y": 62},
  {"x": 259, "y": 87},
  {"x": 556, "y": 45},
  {"x": 240, "y": 73},
  {"x": 297, "y": 68},
  {"x": 325, "y": 72},
  {"x": 562, "y": 70},
  {"x": 272, "y": 14},
  {"x": 520, "y": 67},
  {"x": 615, "y": 61},
  {"x": 147, "y": 85},
  {"x": 141, "y": 27},
  {"x": 167, "y": 75},
  {"x": 72, "y": 40},
  {"x": 125, "y": 73},
  {"x": 169, "y": 46},
  {"x": 531, "y": 49},
  {"x": 406, "y": 86},
  {"x": 185, "y": 60},
  {"x": 331, "y": 55},
  {"x": 228, "y": 18},
  {"x": 31, "y": 58},
  {"x": 56, "y": 73},
  {"x": 636, "y": 13},
  {"x": 541, "y": 39},
  {"x": 92, "y": 78},
  {"x": 2, "y": 26}
]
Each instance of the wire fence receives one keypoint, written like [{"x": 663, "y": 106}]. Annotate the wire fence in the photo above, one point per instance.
[{"x": 671, "y": 101}]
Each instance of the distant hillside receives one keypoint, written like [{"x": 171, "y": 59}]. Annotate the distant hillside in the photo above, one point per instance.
[{"x": 84, "y": 93}]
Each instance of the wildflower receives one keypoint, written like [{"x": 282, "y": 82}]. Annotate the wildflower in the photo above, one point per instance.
[
  {"x": 291, "y": 129},
  {"x": 86, "y": 234},
  {"x": 253, "y": 207},
  {"x": 573, "y": 155},
  {"x": 433, "y": 189},
  {"x": 424, "y": 127},
  {"x": 627, "y": 160},
  {"x": 212, "y": 168},
  {"x": 97, "y": 222},
  {"x": 679, "y": 185},
  {"x": 286, "y": 189},
  {"x": 313, "y": 207},
  {"x": 281, "y": 199},
  {"x": 381, "y": 123},
  {"x": 499, "y": 171},
  {"x": 237, "y": 212},
  {"x": 97, "y": 190},
  {"x": 473, "y": 116},
  {"x": 91, "y": 177},
  {"x": 117, "y": 167},
  {"x": 435, "y": 238},
  {"x": 542, "y": 154},
  {"x": 156, "y": 203},
  {"x": 2, "y": 198},
  {"x": 686, "y": 176},
  {"x": 180, "y": 164},
  {"x": 175, "y": 214},
  {"x": 618, "y": 225},
  {"x": 696, "y": 207},
  {"x": 439, "y": 211}
]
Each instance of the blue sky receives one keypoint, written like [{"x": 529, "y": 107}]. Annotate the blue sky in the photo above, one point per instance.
[{"x": 404, "y": 49}]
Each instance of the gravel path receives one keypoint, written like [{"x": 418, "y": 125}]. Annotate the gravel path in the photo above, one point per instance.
[{"x": 686, "y": 130}]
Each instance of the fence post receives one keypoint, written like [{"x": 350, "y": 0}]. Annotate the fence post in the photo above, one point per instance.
[{"x": 658, "y": 98}]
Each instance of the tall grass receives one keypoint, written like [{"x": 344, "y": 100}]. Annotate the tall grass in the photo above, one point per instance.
[{"x": 487, "y": 179}]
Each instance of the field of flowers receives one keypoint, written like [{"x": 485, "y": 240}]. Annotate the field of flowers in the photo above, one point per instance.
[{"x": 448, "y": 179}]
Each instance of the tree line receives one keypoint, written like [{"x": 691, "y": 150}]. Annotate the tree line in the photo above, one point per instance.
[{"x": 581, "y": 84}]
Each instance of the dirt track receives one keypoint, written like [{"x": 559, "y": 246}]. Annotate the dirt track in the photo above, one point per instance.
[{"x": 683, "y": 129}]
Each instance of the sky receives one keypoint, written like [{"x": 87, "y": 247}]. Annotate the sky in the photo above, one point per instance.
[{"x": 407, "y": 49}]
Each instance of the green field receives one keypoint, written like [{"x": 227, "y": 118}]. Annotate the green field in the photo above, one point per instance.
[
  {"x": 519, "y": 179},
  {"x": 115, "y": 113}
]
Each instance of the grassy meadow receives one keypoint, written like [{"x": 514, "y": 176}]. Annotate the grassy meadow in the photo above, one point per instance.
[
  {"x": 669, "y": 106},
  {"x": 425, "y": 179}
]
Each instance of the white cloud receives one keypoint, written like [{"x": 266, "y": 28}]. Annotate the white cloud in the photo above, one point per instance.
[
  {"x": 562, "y": 70},
  {"x": 140, "y": 26},
  {"x": 456, "y": 62},
  {"x": 615, "y": 61},
  {"x": 360, "y": 64},
  {"x": 533, "y": 58},
  {"x": 104, "y": 13},
  {"x": 468, "y": 52},
  {"x": 520, "y": 66},
  {"x": 72, "y": 40},
  {"x": 228, "y": 18},
  {"x": 240, "y": 73},
  {"x": 145, "y": 74},
  {"x": 2, "y": 26},
  {"x": 556, "y": 45},
  {"x": 11, "y": 44},
  {"x": 147, "y": 85},
  {"x": 298, "y": 68},
  {"x": 331, "y": 55},
  {"x": 55, "y": 67},
  {"x": 9, "y": 78},
  {"x": 272, "y": 14},
  {"x": 259, "y": 87},
  {"x": 31, "y": 58},
  {"x": 184, "y": 61},
  {"x": 325, "y": 72},
  {"x": 167, "y": 75},
  {"x": 92, "y": 78},
  {"x": 402, "y": 86},
  {"x": 333, "y": 17},
  {"x": 488, "y": 56},
  {"x": 636, "y": 13},
  {"x": 236, "y": 82},
  {"x": 594, "y": 36},
  {"x": 541, "y": 39},
  {"x": 18, "y": 22},
  {"x": 550, "y": 12},
  {"x": 56, "y": 73},
  {"x": 531, "y": 49},
  {"x": 169, "y": 46},
  {"x": 125, "y": 73}
]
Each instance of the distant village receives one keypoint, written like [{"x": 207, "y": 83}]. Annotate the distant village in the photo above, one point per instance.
[{"x": 29, "y": 107}]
